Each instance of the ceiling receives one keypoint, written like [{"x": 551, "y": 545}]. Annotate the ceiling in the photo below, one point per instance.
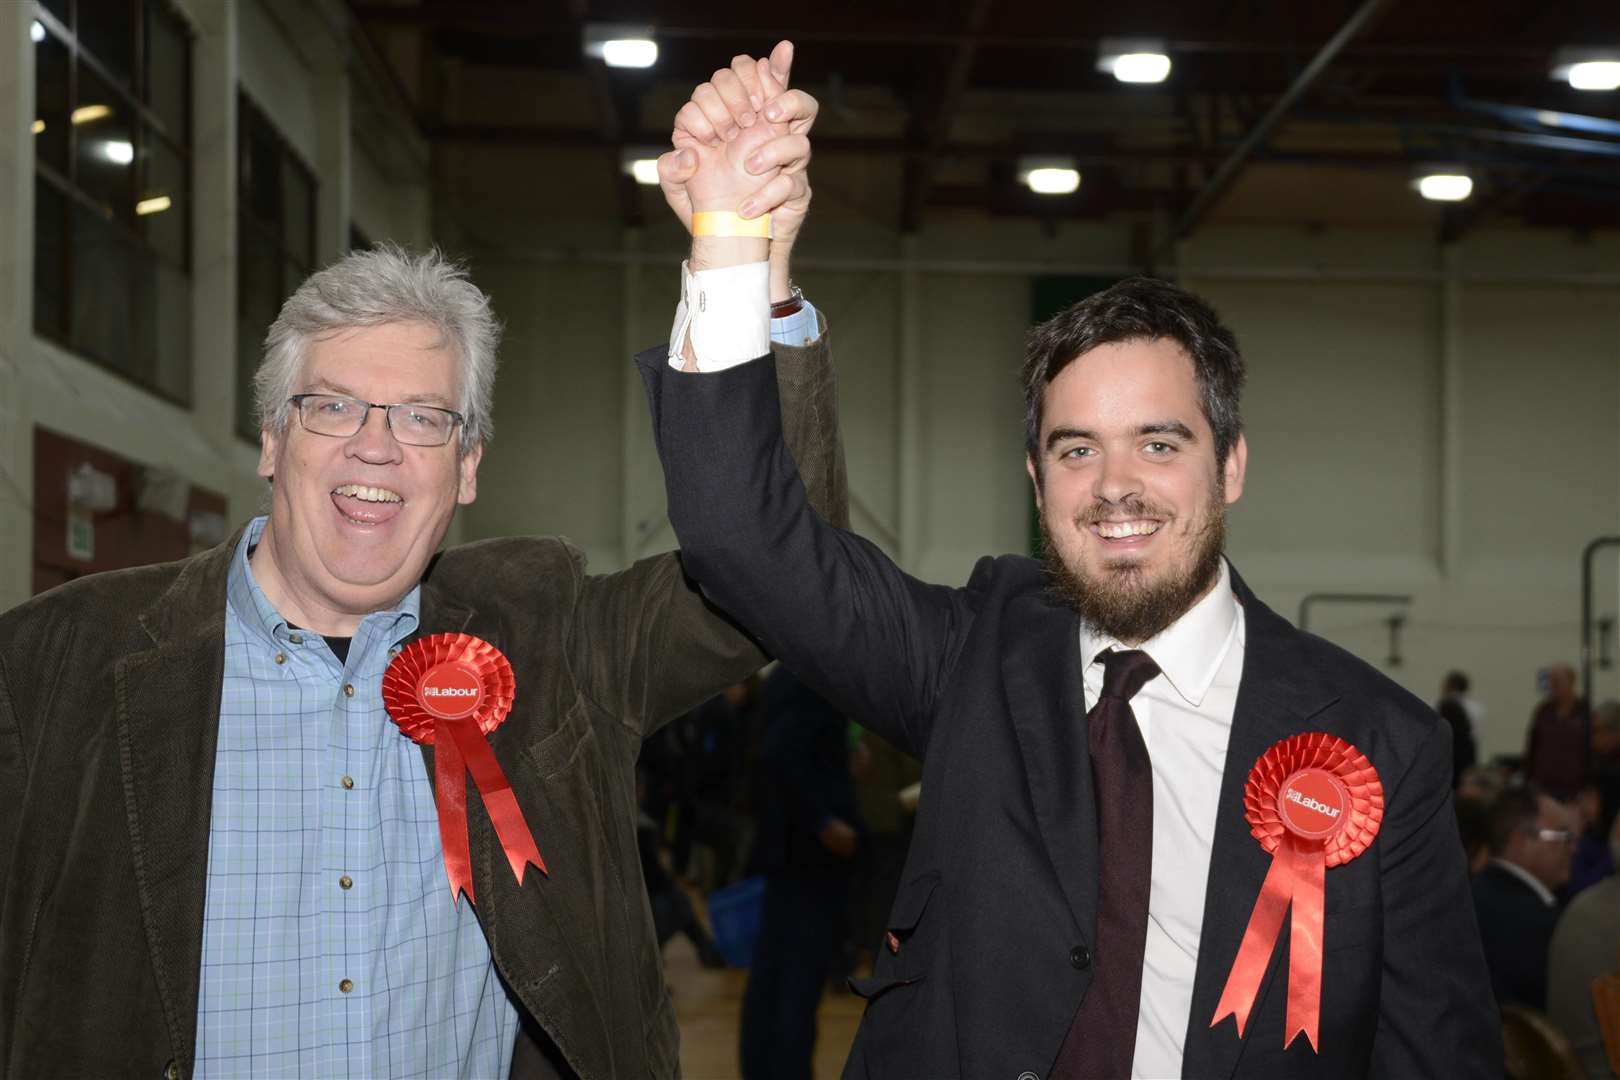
[{"x": 959, "y": 90}]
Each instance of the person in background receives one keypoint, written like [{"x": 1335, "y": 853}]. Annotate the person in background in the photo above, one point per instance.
[
  {"x": 1532, "y": 841},
  {"x": 1584, "y": 945},
  {"x": 1474, "y": 826},
  {"x": 1555, "y": 747},
  {"x": 810, "y": 832},
  {"x": 672, "y": 909},
  {"x": 1465, "y": 716},
  {"x": 1595, "y": 807}
]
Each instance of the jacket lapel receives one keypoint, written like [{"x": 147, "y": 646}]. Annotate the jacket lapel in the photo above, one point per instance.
[
  {"x": 168, "y": 730},
  {"x": 1040, "y": 668},
  {"x": 1276, "y": 697}
]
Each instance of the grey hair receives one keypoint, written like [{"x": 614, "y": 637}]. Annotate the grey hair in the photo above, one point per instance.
[{"x": 386, "y": 284}]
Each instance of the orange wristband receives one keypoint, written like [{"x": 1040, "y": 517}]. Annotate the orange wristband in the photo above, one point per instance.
[{"x": 725, "y": 223}]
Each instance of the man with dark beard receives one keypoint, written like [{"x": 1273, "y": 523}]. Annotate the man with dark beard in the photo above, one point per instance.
[{"x": 1091, "y": 889}]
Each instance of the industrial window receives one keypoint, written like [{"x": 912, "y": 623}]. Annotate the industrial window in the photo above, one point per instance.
[
  {"x": 112, "y": 190},
  {"x": 275, "y": 242}
]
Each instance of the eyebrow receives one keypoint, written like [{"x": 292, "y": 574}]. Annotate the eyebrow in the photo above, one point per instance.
[{"x": 1162, "y": 427}]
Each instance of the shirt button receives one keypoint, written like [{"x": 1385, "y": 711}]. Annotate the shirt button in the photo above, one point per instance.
[
  {"x": 348, "y": 783},
  {"x": 296, "y": 639},
  {"x": 1080, "y": 957},
  {"x": 345, "y": 881},
  {"x": 394, "y": 650},
  {"x": 348, "y": 690},
  {"x": 345, "y": 986},
  {"x": 281, "y": 658}
]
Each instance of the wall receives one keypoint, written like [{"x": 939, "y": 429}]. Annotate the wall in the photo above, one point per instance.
[{"x": 292, "y": 59}]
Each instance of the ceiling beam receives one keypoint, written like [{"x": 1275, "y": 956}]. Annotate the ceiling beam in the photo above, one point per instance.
[
  {"x": 1363, "y": 17},
  {"x": 931, "y": 125}
]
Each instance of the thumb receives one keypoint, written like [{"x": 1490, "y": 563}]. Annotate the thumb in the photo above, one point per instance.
[{"x": 782, "y": 61}]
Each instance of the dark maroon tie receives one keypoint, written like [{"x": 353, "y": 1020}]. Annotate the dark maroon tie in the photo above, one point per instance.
[{"x": 1102, "y": 1039}]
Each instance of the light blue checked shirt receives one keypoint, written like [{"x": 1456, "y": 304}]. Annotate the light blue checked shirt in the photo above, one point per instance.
[{"x": 330, "y": 943}]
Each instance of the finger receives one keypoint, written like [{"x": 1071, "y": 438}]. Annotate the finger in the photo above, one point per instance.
[
  {"x": 746, "y": 68},
  {"x": 790, "y": 153},
  {"x": 795, "y": 108},
  {"x": 769, "y": 84},
  {"x": 707, "y": 98},
  {"x": 674, "y": 169},
  {"x": 693, "y": 122},
  {"x": 768, "y": 198},
  {"x": 782, "y": 62},
  {"x": 734, "y": 94}
]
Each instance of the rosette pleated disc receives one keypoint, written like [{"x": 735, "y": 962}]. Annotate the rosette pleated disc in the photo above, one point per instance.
[
  {"x": 403, "y": 679},
  {"x": 1316, "y": 750}
]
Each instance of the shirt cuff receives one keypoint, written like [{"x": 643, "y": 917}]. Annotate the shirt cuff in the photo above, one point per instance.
[
  {"x": 798, "y": 329},
  {"x": 725, "y": 313}
]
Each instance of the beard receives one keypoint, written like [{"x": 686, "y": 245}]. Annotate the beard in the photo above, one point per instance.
[{"x": 1122, "y": 602}]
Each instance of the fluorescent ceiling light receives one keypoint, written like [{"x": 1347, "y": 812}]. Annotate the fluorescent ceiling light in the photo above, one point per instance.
[
  {"x": 621, "y": 45},
  {"x": 155, "y": 205},
  {"x": 1134, "y": 60},
  {"x": 645, "y": 170},
  {"x": 1595, "y": 75},
  {"x": 39, "y": 127},
  {"x": 1446, "y": 187},
  {"x": 37, "y": 32},
  {"x": 1049, "y": 175},
  {"x": 89, "y": 114},
  {"x": 630, "y": 53},
  {"x": 1142, "y": 67},
  {"x": 118, "y": 152}
]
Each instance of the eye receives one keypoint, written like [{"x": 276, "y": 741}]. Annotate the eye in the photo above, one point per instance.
[
  {"x": 424, "y": 420},
  {"x": 1075, "y": 452},
  {"x": 1160, "y": 448},
  {"x": 333, "y": 406}
]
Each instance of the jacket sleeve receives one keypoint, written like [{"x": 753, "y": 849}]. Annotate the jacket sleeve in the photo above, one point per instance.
[
  {"x": 831, "y": 606},
  {"x": 1437, "y": 1016},
  {"x": 13, "y": 774},
  {"x": 647, "y": 645}
]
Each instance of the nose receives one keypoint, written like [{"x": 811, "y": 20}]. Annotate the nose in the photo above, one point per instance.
[
  {"x": 374, "y": 443},
  {"x": 1116, "y": 479}
]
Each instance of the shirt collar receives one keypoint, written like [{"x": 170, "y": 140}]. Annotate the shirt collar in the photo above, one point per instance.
[
  {"x": 1543, "y": 893},
  {"x": 1190, "y": 650},
  {"x": 249, "y": 604}
]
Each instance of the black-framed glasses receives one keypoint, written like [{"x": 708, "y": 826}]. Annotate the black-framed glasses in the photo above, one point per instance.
[{"x": 341, "y": 417}]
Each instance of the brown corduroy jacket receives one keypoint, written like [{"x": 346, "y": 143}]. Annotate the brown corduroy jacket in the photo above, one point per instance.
[{"x": 109, "y": 711}]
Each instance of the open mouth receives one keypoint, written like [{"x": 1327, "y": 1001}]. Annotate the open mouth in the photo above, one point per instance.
[
  {"x": 1129, "y": 533},
  {"x": 367, "y": 505}
]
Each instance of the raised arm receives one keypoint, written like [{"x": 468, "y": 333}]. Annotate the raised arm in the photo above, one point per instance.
[{"x": 646, "y": 644}]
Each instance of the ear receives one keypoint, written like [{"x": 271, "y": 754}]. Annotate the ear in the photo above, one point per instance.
[
  {"x": 1034, "y": 478},
  {"x": 269, "y": 447},
  {"x": 1237, "y": 461},
  {"x": 468, "y": 489}
]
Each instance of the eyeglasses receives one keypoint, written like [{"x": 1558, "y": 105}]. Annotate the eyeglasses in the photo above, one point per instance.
[{"x": 340, "y": 417}]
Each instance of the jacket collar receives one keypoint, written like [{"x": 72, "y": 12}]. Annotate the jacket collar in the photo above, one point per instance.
[{"x": 1277, "y": 696}]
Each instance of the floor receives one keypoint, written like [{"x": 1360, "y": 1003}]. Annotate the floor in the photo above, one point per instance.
[{"x": 707, "y": 1004}]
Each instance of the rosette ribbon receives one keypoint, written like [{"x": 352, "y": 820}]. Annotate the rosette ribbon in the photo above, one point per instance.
[
  {"x": 449, "y": 691},
  {"x": 1313, "y": 801}
]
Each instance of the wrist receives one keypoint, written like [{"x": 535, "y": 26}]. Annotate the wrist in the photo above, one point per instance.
[
  {"x": 781, "y": 280},
  {"x": 715, "y": 252}
]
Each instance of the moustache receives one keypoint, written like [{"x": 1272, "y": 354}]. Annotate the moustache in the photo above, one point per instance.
[{"x": 1132, "y": 507}]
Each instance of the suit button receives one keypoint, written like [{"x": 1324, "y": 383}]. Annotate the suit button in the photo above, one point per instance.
[
  {"x": 172, "y": 1072},
  {"x": 1080, "y": 957}
]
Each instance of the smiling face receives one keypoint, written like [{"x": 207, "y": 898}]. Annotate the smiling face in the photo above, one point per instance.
[
  {"x": 1132, "y": 502},
  {"x": 353, "y": 522}
]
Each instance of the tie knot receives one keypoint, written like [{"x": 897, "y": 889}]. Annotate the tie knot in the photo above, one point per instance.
[{"x": 1125, "y": 671}]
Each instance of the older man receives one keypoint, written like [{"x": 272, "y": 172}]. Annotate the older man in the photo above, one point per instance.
[{"x": 221, "y": 858}]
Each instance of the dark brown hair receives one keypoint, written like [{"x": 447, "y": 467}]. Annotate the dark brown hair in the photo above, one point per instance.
[{"x": 1140, "y": 309}]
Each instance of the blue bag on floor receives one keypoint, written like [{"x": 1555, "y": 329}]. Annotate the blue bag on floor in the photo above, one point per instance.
[{"x": 734, "y": 914}]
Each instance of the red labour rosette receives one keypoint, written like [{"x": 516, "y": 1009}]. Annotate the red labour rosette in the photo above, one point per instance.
[
  {"x": 1314, "y": 802},
  {"x": 449, "y": 691}
]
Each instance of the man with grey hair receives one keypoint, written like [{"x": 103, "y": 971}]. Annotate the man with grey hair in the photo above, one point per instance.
[{"x": 220, "y": 858}]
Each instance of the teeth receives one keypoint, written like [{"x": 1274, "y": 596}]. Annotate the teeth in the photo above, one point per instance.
[
  {"x": 1118, "y": 530},
  {"x": 367, "y": 494}
]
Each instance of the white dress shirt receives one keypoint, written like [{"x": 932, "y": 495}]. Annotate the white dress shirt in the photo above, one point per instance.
[
  {"x": 1185, "y": 714},
  {"x": 727, "y": 315}
]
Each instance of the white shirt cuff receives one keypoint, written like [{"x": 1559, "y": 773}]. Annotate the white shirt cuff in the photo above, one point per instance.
[{"x": 726, "y": 313}]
